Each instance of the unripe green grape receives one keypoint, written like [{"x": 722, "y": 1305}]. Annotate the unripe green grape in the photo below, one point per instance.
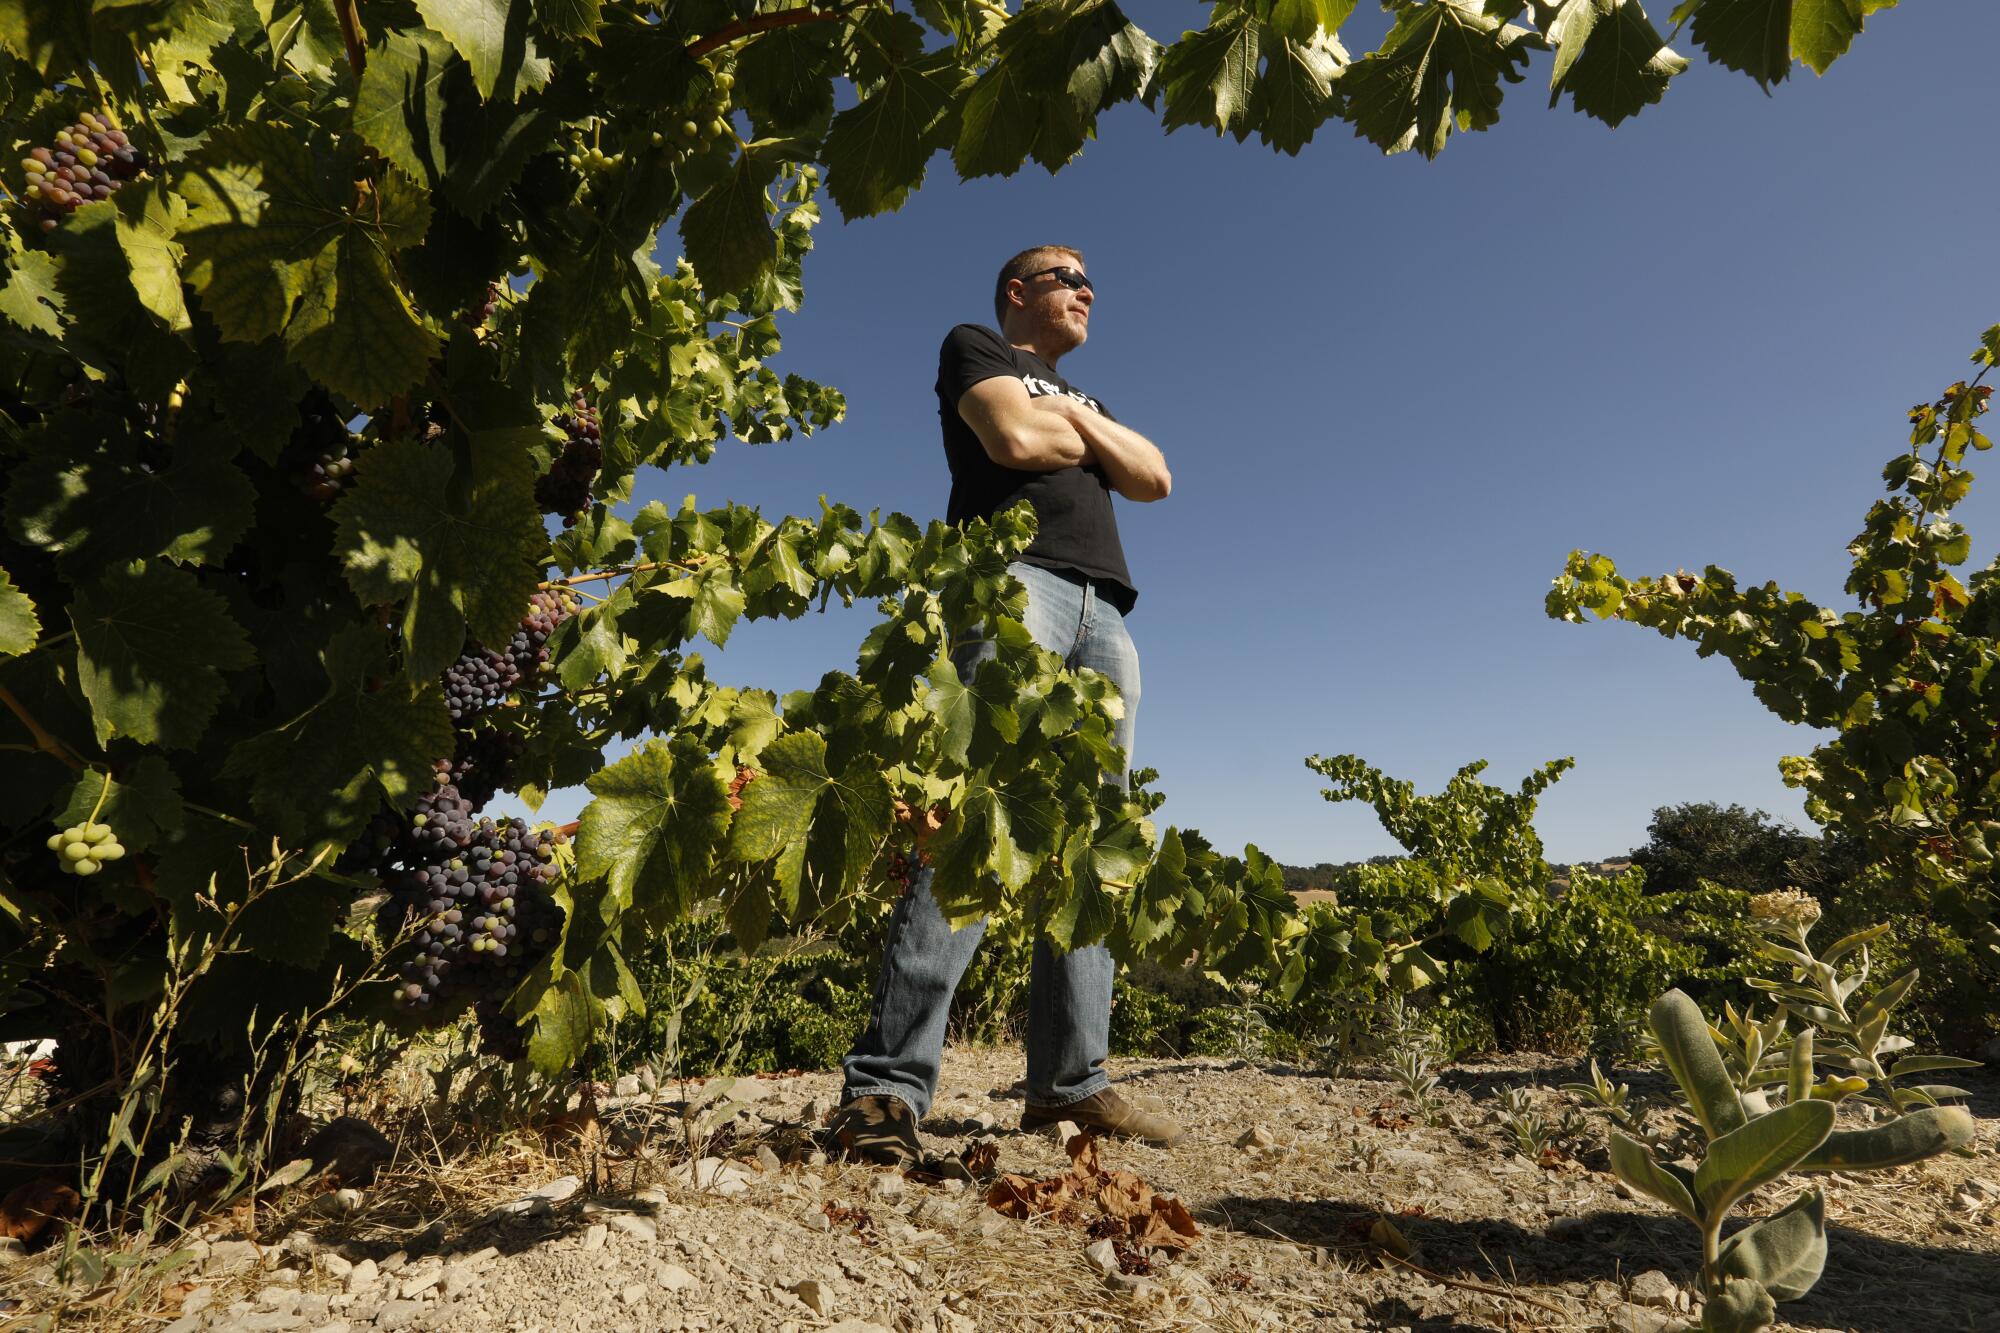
[
  {"x": 690, "y": 130},
  {"x": 657, "y": 138},
  {"x": 725, "y": 81},
  {"x": 109, "y": 851},
  {"x": 716, "y": 129},
  {"x": 85, "y": 867},
  {"x": 75, "y": 851},
  {"x": 55, "y": 843},
  {"x": 72, "y": 835},
  {"x": 96, "y": 832}
]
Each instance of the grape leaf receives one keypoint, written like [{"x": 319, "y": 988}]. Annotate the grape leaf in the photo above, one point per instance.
[
  {"x": 975, "y": 858},
  {"x": 1058, "y": 68},
  {"x": 1298, "y": 91},
  {"x": 87, "y": 497},
  {"x": 820, "y": 829},
  {"x": 152, "y": 645},
  {"x": 1822, "y": 30},
  {"x": 399, "y": 107},
  {"x": 1753, "y": 36},
  {"x": 1439, "y": 69},
  {"x": 264, "y": 232},
  {"x": 320, "y": 777},
  {"x": 30, "y": 301},
  {"x": 785, "y": 77},
  {"x": 876, "y": 150},
  {"x": 492, "y": 35},
  {"x": 489, "y": 146},
  {"x": 355, "y": 330},
  {"x": 727, "y": 232},
  {"x": 571, "y": 18},
  {"x": 1210, "y": 76},
  {"x": 147, "y": 219},
  {"x": 1302, "y": 20},
  {"x": 464, "y": 562},
  {"x": 564, "y": 1016},
  {"x": 19, "y": 627},
  {"x": 652, "y": 830},
  {"x": 1610, "y": 59},
  {"x": 143, "y": 803},
  {"x": 256, "y": 214}
]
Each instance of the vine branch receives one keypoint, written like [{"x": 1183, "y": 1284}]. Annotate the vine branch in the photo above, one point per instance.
[
  {"x": 750, "y": 27},
  {"x": 44, "y": 742},
  {"x": 350, "y": 33}
]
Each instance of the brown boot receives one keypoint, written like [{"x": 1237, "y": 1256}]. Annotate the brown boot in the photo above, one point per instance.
[
  {"x": 878, "y": 1129},
  {"x": 1107, "y": 1113}
]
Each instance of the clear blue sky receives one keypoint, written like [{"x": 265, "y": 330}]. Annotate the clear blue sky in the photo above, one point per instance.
[{"x": 1394, "y": 394}]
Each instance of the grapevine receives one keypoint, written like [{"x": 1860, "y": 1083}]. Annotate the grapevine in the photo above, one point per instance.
[{"x": 87, "y": 162}]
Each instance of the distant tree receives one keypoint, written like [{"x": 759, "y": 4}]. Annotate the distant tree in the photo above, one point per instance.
[{"x": 1740, "y": 849}]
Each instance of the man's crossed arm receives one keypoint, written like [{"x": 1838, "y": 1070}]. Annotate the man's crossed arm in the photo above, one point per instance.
[{"x": 1056, "y": 431}]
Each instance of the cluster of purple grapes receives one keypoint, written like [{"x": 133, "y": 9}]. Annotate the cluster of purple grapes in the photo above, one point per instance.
[
  {"x": 481, "y": 678},
  {"x": 88, "y": 162},
  {"x": 477, "y": 316},
  {"x": 478, "y": 892},
  {"x": 564, "y": 490},
  {"x": 480, "y": 768},
  {"x": 321, "y": 448}
]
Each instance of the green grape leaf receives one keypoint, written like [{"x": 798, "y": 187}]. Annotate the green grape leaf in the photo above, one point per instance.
[
  {"x": 256, "y": 214},
  {"x": 975, "y": 858},
  {"x": 785, "y": 77},
  {"x": 1298, "y": 91},
  {"x": 1439, "y": 69},
  {"x": 355, "y": 329},
  {"x": 1158, "y": 902},
  {"x": 462, "y": 558},
  {"x": 30, "y": 301},
  {"x": 320, "y": 777},
  {"x": 727, "y": 232},
  {"x": 571, "y": 18},
  {"x": 399, "y": 107},
  {"x": 93, "y": 503},
  {"x": 489, "y": 146},
  {"x": 1059, "y": 67},
  {"x": 147, "y": 219},
  {"x": 1210, "y": 76},
  {"x": 876, "y": 150},
  {"x": 1822, "y": 30},
  {"x": 653, "y": 828},
  {"x": 20, "y": 629},
  {"x": 492, "y": 35},
  {"x": 263, "y": 233},
  {"x": 152, "y": 645},
  {"x": 563, "y": 1019},
  {"x": 142, "y": 805},
  {"x": 1610, "y": 59},
  {"x": 820, "y": 828},
  {"x": 1301, "y": 20},
  {"x": 1751, "y": 36},
  {"x": 714, "y": 601}
]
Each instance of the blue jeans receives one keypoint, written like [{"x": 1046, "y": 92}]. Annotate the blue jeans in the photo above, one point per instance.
[{"x": 1069, "y": 995}]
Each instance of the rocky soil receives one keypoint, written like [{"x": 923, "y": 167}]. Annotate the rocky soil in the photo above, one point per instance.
[{"x": 1322, "y": 1203}]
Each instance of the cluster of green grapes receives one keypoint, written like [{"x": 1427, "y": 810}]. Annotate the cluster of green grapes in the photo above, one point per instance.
[
  {"x": 82, "y": 849},
  {"x": 710, "y": 120}
]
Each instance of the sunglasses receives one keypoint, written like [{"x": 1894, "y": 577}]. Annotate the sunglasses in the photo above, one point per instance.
[{"x": 1068, "y": 277}]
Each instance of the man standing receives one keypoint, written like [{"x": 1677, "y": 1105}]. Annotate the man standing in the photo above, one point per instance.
[{"x": 1015, "y": 430}]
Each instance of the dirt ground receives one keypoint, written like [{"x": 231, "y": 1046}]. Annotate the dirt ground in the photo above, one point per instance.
[{"x": 1321, "y": 1203}]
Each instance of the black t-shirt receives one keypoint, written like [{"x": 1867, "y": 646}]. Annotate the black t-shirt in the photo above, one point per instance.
[{"x": 1076, "y": 529}]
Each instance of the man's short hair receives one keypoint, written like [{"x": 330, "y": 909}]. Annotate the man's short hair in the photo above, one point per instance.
[{"x": 1020, "y": 266}]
